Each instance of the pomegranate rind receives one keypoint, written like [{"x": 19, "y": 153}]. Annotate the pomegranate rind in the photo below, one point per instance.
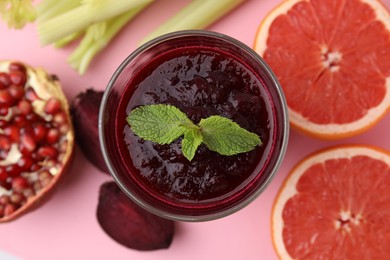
[
  {"x": 288, "y": 189},
  {"x": 46, "y": 86},
  {"x": 331, "y": 131}
]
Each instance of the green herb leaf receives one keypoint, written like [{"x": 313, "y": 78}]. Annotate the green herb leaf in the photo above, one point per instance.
[
  {"x": 226, "y": 137},
  {"x": 190, "y": 143},
  {"x": 158, "y": 123},
  {"x": 165, "y": 123}
]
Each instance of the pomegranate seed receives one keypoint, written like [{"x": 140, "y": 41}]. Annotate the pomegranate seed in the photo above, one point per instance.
[
  {"x": 3, "y": 154},
  {"x": 36, "y": 157},
  {"x": 24, "y": 107},
  {"x": 4, "y": 80},
  {"x": 45, "y": 178},
  {"x": 1, "y": 210},
  {"x": 37, "y": 186},
  {"x": 17, "y": 92},
  {"x": 45, "y": 182},
  {"x": 64, "y": 129},
  {"x": 25, "y": 162},
  {"x": 17, "y": 198},
  {"x": 18, "y": 78},
  {"x": 27, "y": 130},
  {"x": 52, "y": 106},
  {"x": 5, "y": 184},
  {"x": 30, "y": 94},
  {"x": 40, "y": 132},
  {"x": 5, "y": 143},
  {"x": 45, "y": 174},
  {"x": 13, "y": 132},
  {"x": 4, "y": 111},
  {"x": 20, "y": 121},
  {"x": 47, "y": 152},
  {"x": 9, "y": 209},
  {"x": 61, "y": 157},
  {"x": 35, "y": 167},
  {"x": 32, "y": 117},
  {"x": 28, "y": 192},
  {"x": 6, "y": 98},
  {"x": 3, "y": 123},
  {"x": 16, "y": 66},
  {"x": 3, "y": 174},
  {"x": 12, "y": 170},
  {"x": 19, "y": 183},
  {"x": 4, "y": 199},
  {"x": 27, "y": 142},
  {"x": 59, "y": 118},
  {"x": 50, "y": 163},
  {"x": 53, "y": 135},
  {"x": 63, "y": 146}
]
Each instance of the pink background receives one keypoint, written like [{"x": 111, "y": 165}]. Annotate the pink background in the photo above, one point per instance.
[{"x": 66, "y": 226}]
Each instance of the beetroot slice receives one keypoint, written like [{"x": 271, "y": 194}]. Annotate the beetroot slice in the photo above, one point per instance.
[
  {"x": 130, "y": 225},
  {"x": 85, "y": 112}
]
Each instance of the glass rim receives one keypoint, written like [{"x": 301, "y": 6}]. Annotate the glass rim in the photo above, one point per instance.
[{"x": 284, "y": 125}]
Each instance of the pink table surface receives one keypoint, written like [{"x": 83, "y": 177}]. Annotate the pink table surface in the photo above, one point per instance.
[{"x": 66, "y": 226}]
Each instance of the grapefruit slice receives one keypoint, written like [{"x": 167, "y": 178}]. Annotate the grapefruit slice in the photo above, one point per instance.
[
  {"x": 332, "y": 59},
  {"x": 335, "y": 204}
]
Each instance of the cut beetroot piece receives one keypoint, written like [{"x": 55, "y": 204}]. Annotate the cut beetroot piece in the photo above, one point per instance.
[
  {"x": 129, "y": 224},
  {"x": 85, "y": 112}
]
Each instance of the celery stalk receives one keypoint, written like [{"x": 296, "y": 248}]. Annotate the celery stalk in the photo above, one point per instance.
[
  {"x": 68, "y": 39},
  {"x": 50, "y": 11},
  {"x": 45, "y": 5},
  {"x": 16, "y": 13},
  {"x": 97, "y": 37},
  {"x": 79, "y": 18},
  {"x": 197, "y": 15}
]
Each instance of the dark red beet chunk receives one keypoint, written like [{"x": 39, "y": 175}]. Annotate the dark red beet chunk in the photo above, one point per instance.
[
  {"x": 129, "y": 224},
  {"x": 85, "y": 113}
]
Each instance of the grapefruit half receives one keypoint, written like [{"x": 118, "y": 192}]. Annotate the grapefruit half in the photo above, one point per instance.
[
  {"x": 335, "y": 204},
  {"x": 332, "y": 59}
]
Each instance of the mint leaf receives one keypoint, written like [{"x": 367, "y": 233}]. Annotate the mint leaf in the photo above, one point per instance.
[
  {"x": 158, "y": 123},
  {"x": 163, "y": 124},
  {"x": 190, "y": 143},
  {"x": 226, "y": 137}
]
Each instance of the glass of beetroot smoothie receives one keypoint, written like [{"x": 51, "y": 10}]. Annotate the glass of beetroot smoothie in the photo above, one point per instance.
[{"x": 203, "y": 74}]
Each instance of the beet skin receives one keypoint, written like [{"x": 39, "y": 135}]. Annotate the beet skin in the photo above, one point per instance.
[
  {"x": 85, "y": 113},
  {"x": 129, "y": 224}
]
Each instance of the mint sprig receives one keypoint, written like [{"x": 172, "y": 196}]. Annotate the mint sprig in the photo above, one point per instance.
[
  {"x": 163, "y": 124},
  {"x": 226, "y": 137}
]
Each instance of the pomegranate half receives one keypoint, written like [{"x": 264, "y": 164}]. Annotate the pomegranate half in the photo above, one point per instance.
[{"x": 36, "y": 137}]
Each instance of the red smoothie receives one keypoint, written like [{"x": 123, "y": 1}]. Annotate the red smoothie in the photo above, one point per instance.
[{"x": 202, "y": 77}]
